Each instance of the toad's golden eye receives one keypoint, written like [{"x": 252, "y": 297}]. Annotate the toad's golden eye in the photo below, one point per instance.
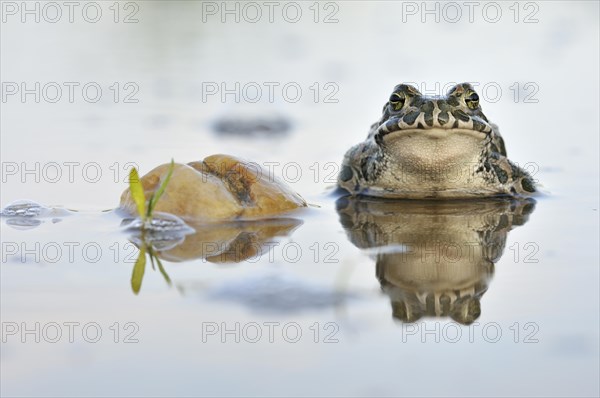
[
  {"x": 472, "y": 100},
  {"x": 397, "y": 101}
]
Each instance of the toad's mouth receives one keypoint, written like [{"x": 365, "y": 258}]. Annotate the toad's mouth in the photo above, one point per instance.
[
  {"x": 430, "y": 122},
  {"x": 434, "y": 134}
]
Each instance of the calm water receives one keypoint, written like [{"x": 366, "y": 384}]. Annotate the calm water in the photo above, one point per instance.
[{"x": 350, "y": 297}]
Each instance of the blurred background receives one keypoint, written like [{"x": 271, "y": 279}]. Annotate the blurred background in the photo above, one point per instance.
[{"x": 89, "y": 91}]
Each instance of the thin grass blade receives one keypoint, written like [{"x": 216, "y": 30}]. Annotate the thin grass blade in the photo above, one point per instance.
[
  {"x": 163, "y": 272},
  {"x": 137, "y": 192},
  {"x": 158, "y": 193}
]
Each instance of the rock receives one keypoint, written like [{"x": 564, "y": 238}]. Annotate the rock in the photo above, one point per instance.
[
  {"x": 219, "y": 188},
  {"x": 27, "y": 214},
  {"x": 253, "y": 126}
]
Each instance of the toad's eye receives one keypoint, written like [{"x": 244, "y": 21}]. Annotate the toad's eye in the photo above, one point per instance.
[
  {"x": 472, "y": 100},
  {"x": 397, "y": 101}
]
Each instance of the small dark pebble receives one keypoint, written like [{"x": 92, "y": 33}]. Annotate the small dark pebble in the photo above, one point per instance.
[{"x": 252, "y": 126}]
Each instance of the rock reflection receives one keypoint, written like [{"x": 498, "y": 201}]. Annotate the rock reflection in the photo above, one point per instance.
[
  {"x": 433, "y": 258},
  {"x": 229, "y": 242},
  {"x": 232, "y": 242}
]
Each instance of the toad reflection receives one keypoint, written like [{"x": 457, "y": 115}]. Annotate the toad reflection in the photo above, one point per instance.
[{"x": 433, "y": 258}]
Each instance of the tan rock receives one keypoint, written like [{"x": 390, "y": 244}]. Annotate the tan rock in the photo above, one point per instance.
[{"x": 220, "y": 187}]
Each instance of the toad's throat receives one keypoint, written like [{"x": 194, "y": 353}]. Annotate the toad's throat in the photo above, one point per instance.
[{"x": 435, "y": 149}]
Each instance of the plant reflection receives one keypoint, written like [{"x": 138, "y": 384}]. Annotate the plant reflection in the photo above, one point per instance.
[{"x": 433, "y": 258}]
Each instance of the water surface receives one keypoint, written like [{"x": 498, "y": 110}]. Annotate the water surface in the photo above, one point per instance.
[{"x": 350, "y": 297}]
